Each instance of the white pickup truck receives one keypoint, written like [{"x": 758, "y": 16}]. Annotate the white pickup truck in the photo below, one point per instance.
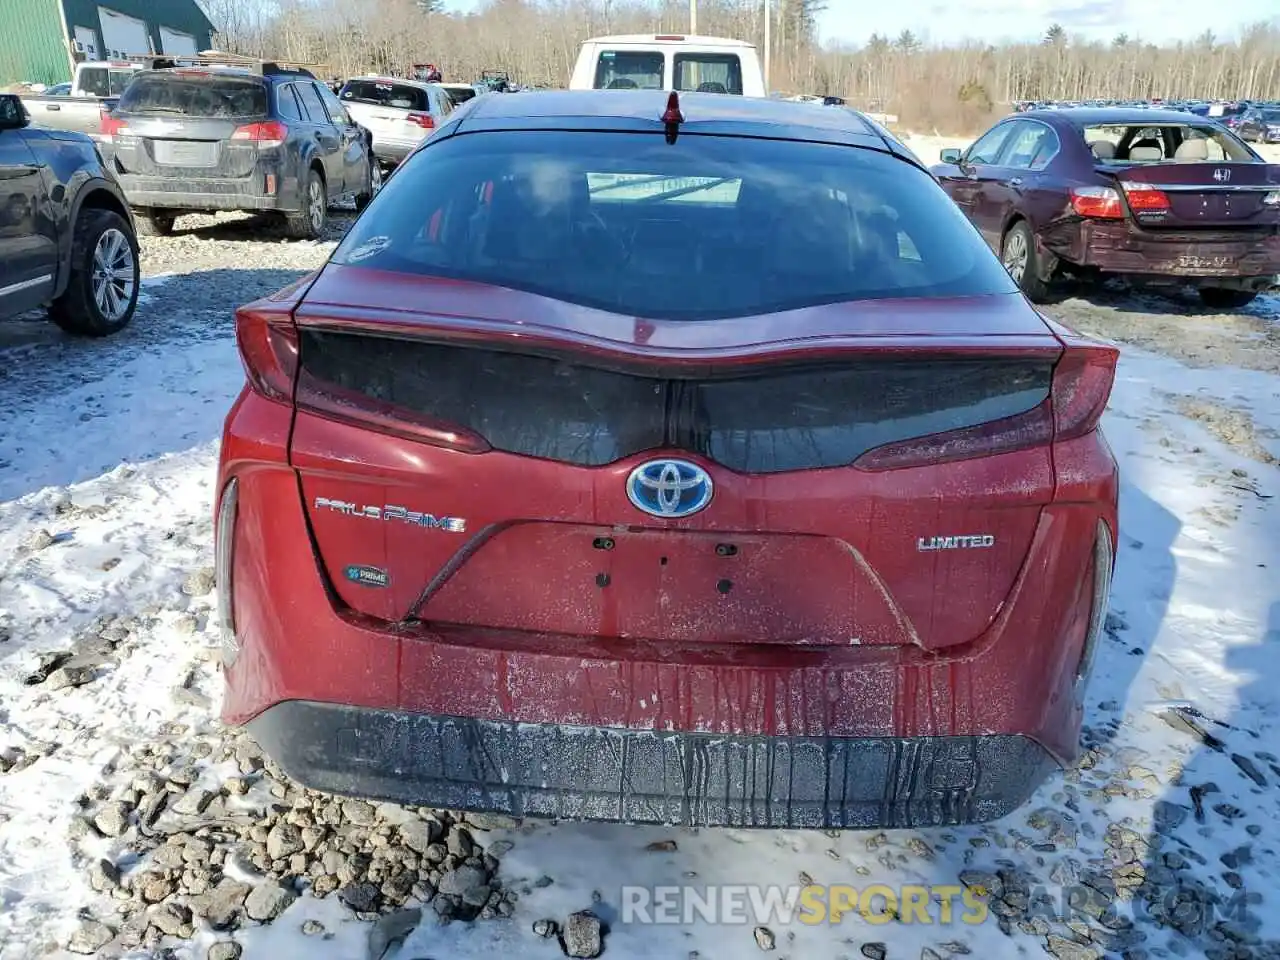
[
  {"x": 93, "y": 84},
  {"x": 669, "y": 62}
]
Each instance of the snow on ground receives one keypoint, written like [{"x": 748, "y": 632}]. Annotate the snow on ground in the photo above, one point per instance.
[{"x": 129, "y": 819}]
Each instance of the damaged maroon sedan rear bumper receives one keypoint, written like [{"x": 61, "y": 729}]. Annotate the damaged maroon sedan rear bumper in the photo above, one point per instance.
[{"x": 1245, "y": 258}]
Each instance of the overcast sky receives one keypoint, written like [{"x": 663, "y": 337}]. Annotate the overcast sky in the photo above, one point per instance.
[{"x": 949, "y": 22}]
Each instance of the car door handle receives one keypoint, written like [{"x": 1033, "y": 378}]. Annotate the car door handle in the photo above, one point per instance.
[
  {"x": 52, "y": 106},
  {"x": 1015, "y": 182}
]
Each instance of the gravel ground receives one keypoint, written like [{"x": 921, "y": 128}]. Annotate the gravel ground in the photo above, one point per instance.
[{"x": 208, "y": 835}]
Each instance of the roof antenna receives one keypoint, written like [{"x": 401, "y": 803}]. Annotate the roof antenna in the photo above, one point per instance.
[{"x": 673, "y": 117}]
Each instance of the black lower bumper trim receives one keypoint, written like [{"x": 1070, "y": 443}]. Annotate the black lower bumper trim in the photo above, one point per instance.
[{"x": 638, "y": 776}]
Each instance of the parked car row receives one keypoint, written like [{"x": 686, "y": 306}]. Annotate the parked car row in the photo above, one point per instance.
[{"x": 132, "y": 146}]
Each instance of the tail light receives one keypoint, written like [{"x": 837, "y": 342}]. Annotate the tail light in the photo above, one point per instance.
[
  {"x": 224, "y": 558},
  {"x": 271, "y": 133},
  {"x": 1098, "y": 203},
  {"x": 349, "y": 406},
  {"x": 111, "y": 126},
  {"x": 423, "y": 120},
  {"x": 268, "y": 343},
  {"x": 1146, "y": 198},
  {"x": 1082, "y": 381}
]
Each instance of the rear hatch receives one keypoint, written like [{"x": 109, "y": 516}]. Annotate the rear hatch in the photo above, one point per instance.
[
  {"x": 390, "y": 110},
  {"x": 511, "y": 365},
  {"x": 1177, "y": 195},
  {"x": 193, "y": 125},
  {"x": 486, "y": 484}
]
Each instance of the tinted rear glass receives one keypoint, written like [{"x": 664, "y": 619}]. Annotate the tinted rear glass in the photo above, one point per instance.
[
  {"x": 708, "y": 72},
  {"x": 630, "y": 70},
  {"x": 1271, "y": 116},
  {"x": 382, "y": 93},
  {"x": 195, "y": 96},
  {"x": 706, "y": 227}
]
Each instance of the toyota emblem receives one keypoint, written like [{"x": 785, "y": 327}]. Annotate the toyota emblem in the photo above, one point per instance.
[{"x": 669, "y": 488}]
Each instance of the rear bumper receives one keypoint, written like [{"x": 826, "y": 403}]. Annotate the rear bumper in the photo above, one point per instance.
[
  {"x": 1118, "y": 248},
  {"x": 393, "y": 151},
  {"x": 239, "y": 193},
  {"x": 617, "y": 728},
  {"x": 645, "y": 776}
]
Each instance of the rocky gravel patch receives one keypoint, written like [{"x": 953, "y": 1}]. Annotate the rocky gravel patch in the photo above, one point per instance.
[{"x": 211, "y": 835}]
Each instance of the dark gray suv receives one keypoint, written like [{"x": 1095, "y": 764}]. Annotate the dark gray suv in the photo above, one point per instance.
[{"x": 215, "y": 138}]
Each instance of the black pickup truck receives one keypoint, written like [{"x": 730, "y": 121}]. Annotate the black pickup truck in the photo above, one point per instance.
[{"x": 67, "y": 238}]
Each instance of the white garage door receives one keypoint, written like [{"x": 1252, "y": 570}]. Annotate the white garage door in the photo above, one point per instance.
[
  {"x": 122, "y": 36},
  {"x": 177, "y": 44}
]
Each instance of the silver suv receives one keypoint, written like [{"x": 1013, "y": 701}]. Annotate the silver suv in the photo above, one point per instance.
[{"x": 399, "y": 113}]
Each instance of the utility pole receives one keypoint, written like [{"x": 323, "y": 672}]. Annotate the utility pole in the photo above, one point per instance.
[
  {"x": 768, "y": 43},
  {"x": 693, "y": 17}
]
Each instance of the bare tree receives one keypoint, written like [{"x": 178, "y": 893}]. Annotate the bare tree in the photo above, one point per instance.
[{"x": 953, "y": 89}]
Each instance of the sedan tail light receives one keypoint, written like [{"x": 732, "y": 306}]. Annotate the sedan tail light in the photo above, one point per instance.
[
  {"x": 1098, "y": 203},
  {"x": 271, "y": 133},
  {"x": 1146, "y": 198},
  {"x": 424, "y": 120}
]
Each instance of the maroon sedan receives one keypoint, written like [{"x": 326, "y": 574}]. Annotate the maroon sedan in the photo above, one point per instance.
[{"x": 1153, "y": 195}]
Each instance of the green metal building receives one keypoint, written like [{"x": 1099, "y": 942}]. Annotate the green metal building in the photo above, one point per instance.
[{"x": 40, "y": 40}]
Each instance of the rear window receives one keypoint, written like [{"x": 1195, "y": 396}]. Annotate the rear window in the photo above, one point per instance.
[
  {"x": 191, "y": 95},
  {"x": 708, "y": 72},
  {"x": 630, "y": 70},
  {"x": 1271, "y": 116},
  {"x": 1151, "y": 143},
  {"x": 384, "y": 93},
  {"x": 460, "y": 95},
  {"x": 708, "y": 227},
  {"x": 103, "y": 82}
]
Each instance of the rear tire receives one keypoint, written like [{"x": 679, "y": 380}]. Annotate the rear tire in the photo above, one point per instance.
[
  {"x": 1219, "y": 299},
  {"x": 102, "y": 290},
  {"x": 309, "y": 221},
  {"x": 154, "y": 223},
  {"x": 364, "y": 198},
  {"x": 1018, "y": 254}
]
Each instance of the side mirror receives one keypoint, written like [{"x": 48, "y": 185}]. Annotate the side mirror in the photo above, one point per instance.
[
  {"x": 950, "y": 155},
  {"x": 13, "y": 115}
]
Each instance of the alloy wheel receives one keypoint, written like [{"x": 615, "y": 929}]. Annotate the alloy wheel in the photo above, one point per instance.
[
  {"x": 1015, "y": 255},
  {"x": 115, "y": 274},
  {"x": 317, "y": 205}
]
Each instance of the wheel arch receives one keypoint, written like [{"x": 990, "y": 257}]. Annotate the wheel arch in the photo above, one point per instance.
[{"x": 95, "y": 194}]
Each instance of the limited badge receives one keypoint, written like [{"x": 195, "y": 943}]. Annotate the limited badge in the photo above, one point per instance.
[{"x": 368, "y": 576}]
